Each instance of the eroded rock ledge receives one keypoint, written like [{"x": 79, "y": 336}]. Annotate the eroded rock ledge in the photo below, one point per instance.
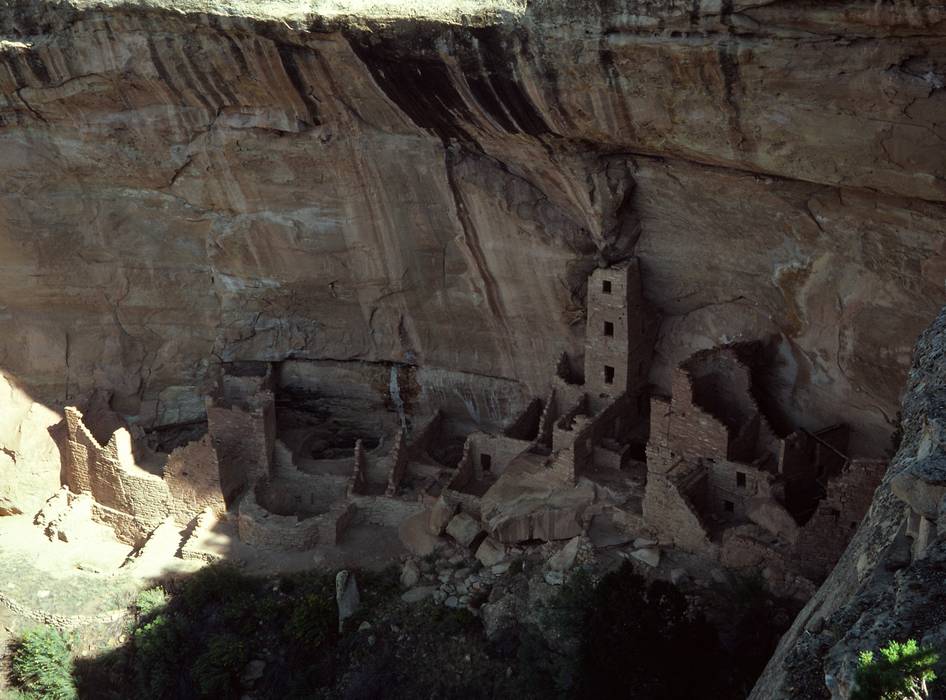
[{"x": 241, "y": 184}]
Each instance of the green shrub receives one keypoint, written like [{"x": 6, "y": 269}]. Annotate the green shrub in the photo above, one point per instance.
[
  {"x": 313, "y": 619},
  {"x": 216, "y": 583},
  {"x": 150, "y": 601},
  {"x": 903, "y": 671},
  {"x": 634, "y": 637},
  {"x": 217, "y": 670},
  {"x": 41, "y": 665},
  {"x": 158, "y": 656}
]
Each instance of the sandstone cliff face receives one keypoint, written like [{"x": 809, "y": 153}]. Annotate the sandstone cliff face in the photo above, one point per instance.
[
  {"x": 880, "y": 590},
  {"x": 183, "y": 186}
]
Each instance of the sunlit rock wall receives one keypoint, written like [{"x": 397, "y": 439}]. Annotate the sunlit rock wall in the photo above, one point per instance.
[{"x": 183, "y": 188}]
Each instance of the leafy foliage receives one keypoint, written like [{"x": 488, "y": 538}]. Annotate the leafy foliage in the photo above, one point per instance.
[
  {"x": 902, "y": 671},
  {"x": 150, "y": 601},
  {"x": 41, "y": 665},
  {"x": 313, "y": 619},
  {"x": 634, "y": 639},
  {"x": 217, "y": 669}
]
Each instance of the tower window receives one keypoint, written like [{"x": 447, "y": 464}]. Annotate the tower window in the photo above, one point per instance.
[
  {"x": 729, "y": 506},
  {"x": 608, "y": 328},
  {"x": 606, "y": 287},
  {"x": 740, "y": 480},
  {"x": 608, "y": 374},
  {"x": 486, "y": 462}
]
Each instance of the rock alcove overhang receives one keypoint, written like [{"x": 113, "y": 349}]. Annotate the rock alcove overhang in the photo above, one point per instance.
[{"x": 434, "y": 191}]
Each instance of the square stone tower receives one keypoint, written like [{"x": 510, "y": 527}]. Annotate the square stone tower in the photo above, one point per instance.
[{"x": 617, "y": 337}]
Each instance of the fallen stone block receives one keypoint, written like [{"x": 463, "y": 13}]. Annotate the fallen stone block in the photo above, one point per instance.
[
  {"x": 415, "y": 536},
  {"x": 490, "y": 552},
  {"x": 564, "y": 559},
  {"x": 648, "y": 555},
  {"x": 464, "y": 529},
  {"x": 410, "y": 574},
  {"x": 440, "y": 514},
  {"x": 415, "y": 595},
  {"x": 346, "y": 597}
]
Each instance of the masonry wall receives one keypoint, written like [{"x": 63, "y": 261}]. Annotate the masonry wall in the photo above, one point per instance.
[
  {"x": 723, "y": 486},
  {"x": 424, "y": 435},
  {"x": 691, "y": 431},
  {"x": 358, "y": 484},
  {"x": 614, "y": 300},
  {"x": 400, "y": 458},
  {"x": 589, "y": 431},
  {"x": 243, "y": 436},
  {"x": 526, "y": 424},
  {"x": 257, "y": 526},
  {"x": 301, "y": 494},
  {"x": 669, "y": 511},
  {"x": 500, "y": 449},
  {"x": 823, "y": 539},
  {"x": 384, "y": 511},
  {"x": 139, "y": 499},
  {"x": 192, "y": 475}
]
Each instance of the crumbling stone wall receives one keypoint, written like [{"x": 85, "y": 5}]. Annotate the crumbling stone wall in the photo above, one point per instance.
[
  {"x": 384, "y": 511},
  {"x": 455, "y": 493},
  {"x": 686, "y": 429},
  {"x": 359, "y": 478},
  {"x": 526, "y": 425},
  {"x": 669, "y": 510},
  {"x": 731, "y": 486},
  {"x": 243, "y": 433},
  {"x": 493, "y": 453},
  {"x": 131, "y": 500},
  {"x": 258, "y": 526},
  {"x": 400, "y": 458},
  {"x": 192, "y": 475},
  {"x": 823, "y": 539},
  {"x": 425, "y": 434}
]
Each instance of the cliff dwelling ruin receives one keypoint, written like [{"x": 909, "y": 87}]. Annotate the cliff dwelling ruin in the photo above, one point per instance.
[
  {"x": 436, "y": 343},
  {"x": 281, "y": 466}
]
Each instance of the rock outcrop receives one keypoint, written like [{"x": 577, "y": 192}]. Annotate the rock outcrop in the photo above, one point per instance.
[
  {"x": 184, "y": 185},
  {"x": 889, "y": 584}
]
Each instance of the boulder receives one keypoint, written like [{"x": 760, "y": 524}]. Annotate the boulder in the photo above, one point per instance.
[
  {"x": 410, "y": 574},
  {"x": 524, "y": 506},
  {"x": 554, "y": 578},
  {"x": 564, "y": 559},
  {"x": 346, "y": 597},
  {"x": 439, "y": 515},
  {"x": 252, "y": 672},
  {"x": 922, "y": 485},
  {"x": 415, "y": 536},
  {"x": 647, "y": 555},
  {"x": 604, "y": 532},
  {"x": 415, "y": 595},
  {"x": 464, "y": 529},
  {"x": 490, "y": 552}
]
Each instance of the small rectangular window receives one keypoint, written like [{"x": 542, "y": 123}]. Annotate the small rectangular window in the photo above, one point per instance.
[
  {"x": 740, "y": 480},
  {"x": 608, "y": 328},
  {"x": 608, "y": 375},
  {"x": 729, "y": 506},
  {"x": 486, "y": 462},
  {"x": 606, "y": 286}
]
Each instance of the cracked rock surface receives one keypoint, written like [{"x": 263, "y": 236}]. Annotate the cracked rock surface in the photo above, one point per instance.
[{"x": 185, "y": 183}]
